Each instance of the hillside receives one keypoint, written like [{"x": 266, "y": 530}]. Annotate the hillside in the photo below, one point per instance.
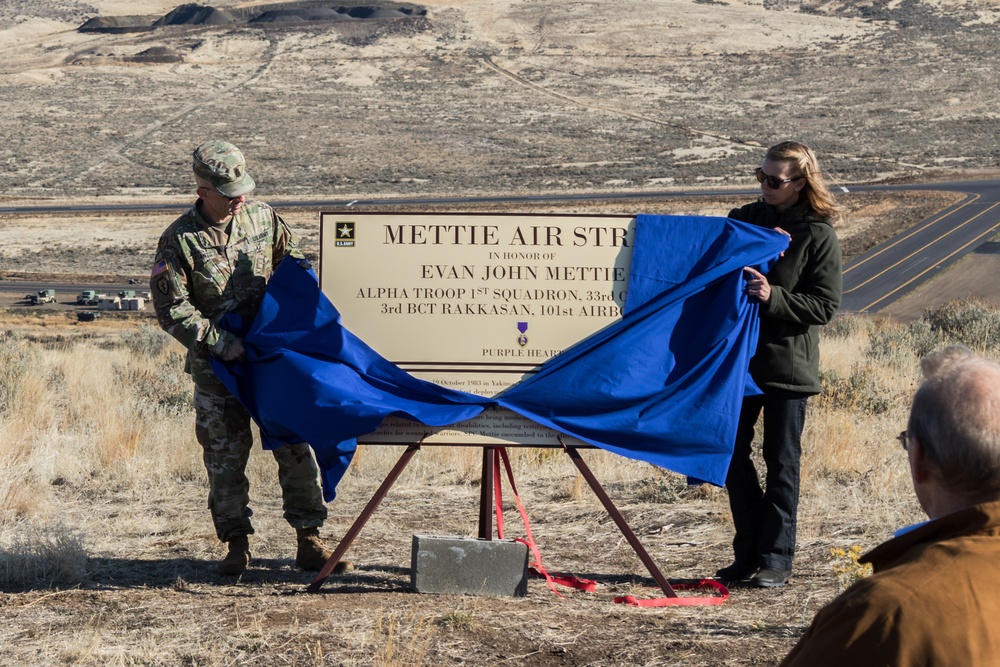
[{"x": 497, "y": 97}]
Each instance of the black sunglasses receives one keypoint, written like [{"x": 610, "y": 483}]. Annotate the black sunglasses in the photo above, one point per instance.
[
  {"x": 904, "y": 440},
  {"x": 773, "y": 182}
]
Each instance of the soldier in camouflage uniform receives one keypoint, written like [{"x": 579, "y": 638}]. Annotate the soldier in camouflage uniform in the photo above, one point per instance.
[{"x": 213, "y": 260}]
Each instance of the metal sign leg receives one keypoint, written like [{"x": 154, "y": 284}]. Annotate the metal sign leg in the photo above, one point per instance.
[
  {"x": 360, "y": 522},
  {"x": 486, "y": 496},
  {"x": 620, "y": 522}
]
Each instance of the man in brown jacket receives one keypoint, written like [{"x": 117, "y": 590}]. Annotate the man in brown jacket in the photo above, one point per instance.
[{"x": 933, "y": 599}]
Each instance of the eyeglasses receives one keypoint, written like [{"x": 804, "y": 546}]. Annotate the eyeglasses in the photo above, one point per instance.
[
  {"x": 773, "y": 182},
  {"x": 219, "y": 194},
  {"x": 904, "y": 440}
]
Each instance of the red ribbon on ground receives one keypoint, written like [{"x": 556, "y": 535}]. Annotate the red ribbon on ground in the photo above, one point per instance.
[
  {"x": 723, "y": 595},
  {"x": 588, "y": 585},
  {"x": 500, "y": 454}
]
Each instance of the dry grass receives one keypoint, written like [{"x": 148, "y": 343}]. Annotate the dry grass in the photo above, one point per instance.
[
  {"x": 106, "y": 547},
  {"x": 54, "y": 555},
  {"x": 107, "y": 552}
]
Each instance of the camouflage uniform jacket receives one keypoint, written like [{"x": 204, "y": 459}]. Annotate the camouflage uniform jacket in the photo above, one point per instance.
[{"x": 194, "y": 283}]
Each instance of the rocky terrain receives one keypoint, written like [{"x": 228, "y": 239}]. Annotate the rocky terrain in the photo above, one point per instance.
[
  {"x": 498, "y": 97},
  {"x": 286, "y": 14}
]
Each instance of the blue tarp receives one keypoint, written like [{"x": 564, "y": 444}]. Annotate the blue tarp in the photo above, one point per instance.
[{"x": 664, "y": 384}]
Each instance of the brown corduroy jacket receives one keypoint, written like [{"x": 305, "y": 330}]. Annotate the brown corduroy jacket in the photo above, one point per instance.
[{"x": 934, "y": 599}]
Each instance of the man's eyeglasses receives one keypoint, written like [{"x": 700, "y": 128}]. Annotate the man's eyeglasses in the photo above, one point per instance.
[
  {"x": 219, "y": 194},
  {"x": 904, "y": 440},
  {"x": 773, "y": 182}
]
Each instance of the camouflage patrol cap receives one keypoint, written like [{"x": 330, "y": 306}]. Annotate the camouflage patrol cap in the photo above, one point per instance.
[{"x": 222, "y": 165}]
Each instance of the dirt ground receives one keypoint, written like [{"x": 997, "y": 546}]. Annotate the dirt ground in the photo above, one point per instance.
[
  {"x": 478, "y": 97},
  {"x": 154, "y": 597}
]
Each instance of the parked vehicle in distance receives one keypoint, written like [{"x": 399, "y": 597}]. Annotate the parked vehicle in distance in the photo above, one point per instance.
[
  {"x": 89, "y": 297},
  {"x": 43, "y": 296}
]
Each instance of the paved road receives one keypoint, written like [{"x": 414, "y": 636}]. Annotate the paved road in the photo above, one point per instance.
[
  {"x": 891, "y": 269},
  {"x": 347, "y": 203},
  {"x": 871, "y": 281}
]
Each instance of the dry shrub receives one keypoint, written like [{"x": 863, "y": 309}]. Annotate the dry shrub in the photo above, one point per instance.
[
  {"x": 900, "y": 346},
  {"x": 572, "y": 488},
  {"x": 17, "y": 362},
  {"x": 869, "y": 372},
  {"x": 846, "y": 565},
  {"x": 970, "y": 322},
  {"x": 53, "y": 556},
  {"x": 118, "y": 445},
  {"x": 146, "y": 341},
  {"x": 861, "y": 392},
  {"x": 847, "y": 326},
  {"x": 19, "y": 494}
]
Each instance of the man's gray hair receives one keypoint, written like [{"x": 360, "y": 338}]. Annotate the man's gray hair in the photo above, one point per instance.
[
  {"x": 956, "y": 417},
  {"x": 940, "y": 359}
]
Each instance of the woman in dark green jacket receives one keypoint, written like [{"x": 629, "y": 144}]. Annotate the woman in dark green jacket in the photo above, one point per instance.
[{"x": 800, "y": 294}]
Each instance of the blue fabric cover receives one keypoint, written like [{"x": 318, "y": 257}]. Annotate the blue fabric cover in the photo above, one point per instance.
[{"x": 664, "y": 384}]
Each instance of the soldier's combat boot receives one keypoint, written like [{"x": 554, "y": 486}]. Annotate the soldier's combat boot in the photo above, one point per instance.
[
  {"x": 238, "y": 558},
  {"x": 312, "y": 554}
]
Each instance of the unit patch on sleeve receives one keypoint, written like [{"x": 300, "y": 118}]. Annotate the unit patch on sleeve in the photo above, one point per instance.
[{"x": 160, "y": 277}]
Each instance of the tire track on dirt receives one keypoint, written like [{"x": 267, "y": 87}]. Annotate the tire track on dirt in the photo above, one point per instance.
[{"x": 118, "y": 150}]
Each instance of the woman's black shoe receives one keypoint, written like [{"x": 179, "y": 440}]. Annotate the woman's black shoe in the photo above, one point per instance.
[{"x": 736, "y": 573}]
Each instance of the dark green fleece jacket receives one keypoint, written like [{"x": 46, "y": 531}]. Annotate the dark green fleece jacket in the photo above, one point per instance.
[{"x": 805, "y": 294}]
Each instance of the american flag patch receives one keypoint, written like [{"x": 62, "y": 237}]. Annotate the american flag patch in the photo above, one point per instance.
[{"x": 160, "y": 267}]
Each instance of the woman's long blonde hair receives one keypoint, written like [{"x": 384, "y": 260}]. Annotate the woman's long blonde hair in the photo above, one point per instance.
[{"x": 816, "y": 192}]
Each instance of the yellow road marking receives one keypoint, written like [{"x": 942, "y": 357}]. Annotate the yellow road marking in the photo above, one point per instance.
[{"x": 938, "y": 263}]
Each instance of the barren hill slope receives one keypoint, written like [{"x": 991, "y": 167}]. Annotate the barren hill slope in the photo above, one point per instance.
[{"x": 507, "y": 96}]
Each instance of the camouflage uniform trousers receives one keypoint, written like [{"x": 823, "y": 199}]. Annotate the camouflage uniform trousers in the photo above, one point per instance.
[{"x": 222, "y": 427}]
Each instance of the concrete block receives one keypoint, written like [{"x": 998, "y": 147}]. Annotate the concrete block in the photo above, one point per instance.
[{"x": 465, "y": 565}]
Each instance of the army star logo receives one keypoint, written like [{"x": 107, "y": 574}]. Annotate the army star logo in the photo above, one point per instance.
[{"x": 345, "y": 235}]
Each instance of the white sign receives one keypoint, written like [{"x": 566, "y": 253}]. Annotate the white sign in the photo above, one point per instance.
[{"x": 474, "y": 302}]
